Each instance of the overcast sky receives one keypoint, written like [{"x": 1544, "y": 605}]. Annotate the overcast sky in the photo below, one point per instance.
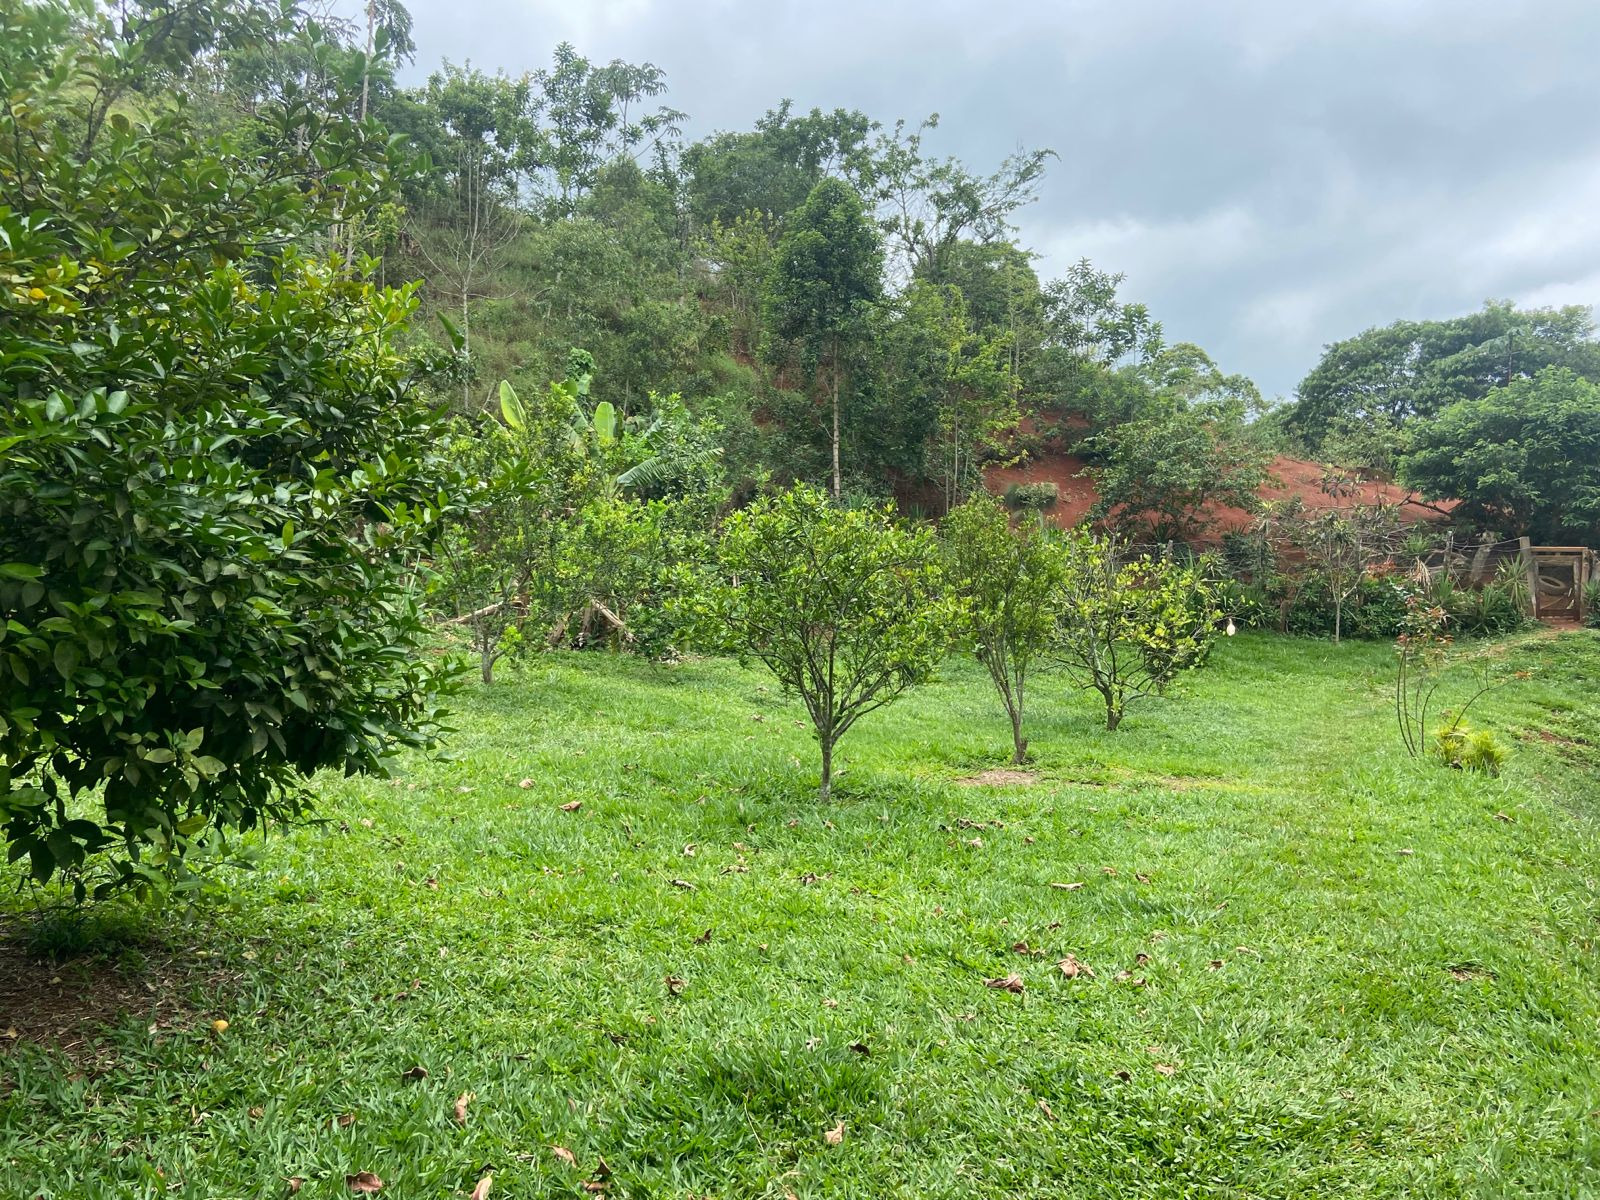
[{"x": 1270, "y": 175}]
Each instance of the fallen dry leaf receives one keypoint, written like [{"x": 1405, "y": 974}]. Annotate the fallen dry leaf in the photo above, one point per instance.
[
  {"x": 976, "y": 843},
  {"x": 572, "y": 806},
  {"x": 257, "y": 1112},
  {"x": 364, "y": 1182},
  {"x": 1108, "y": 870},
  {"x": 594, "y": 1186},
  {"x": 462, "y": 1101},
  {"x": 1123, "y": 1075},
  {"x": 703, "y": 938},
  {"x": 1405, "y": 851},
  {"x": 808, "y": 879},
  {"x": 431, "y": 884},
  {"x": 1020, "y": 948},
  {"x": 682, "y": 884},
  {"x": 835, "y": 1135},
  {"x": 1066, "y": 887},
  {"x": 1072, "y": 968},
  {"x": 1500, "y": 816},
  {"x": 830, "y": 1004},
  {"x": 1214, "y": 965},
  {"x": 1007, "y": 983},
  {"x": 345, "y": 1120},
  {"x": 295, "y": 1184},
  {"x": 1141, "y": 878},
  {"x": 1046, "y": 1110},
  {"x": 481, "y": 1192},
  {"x": 861, "y": 1048},
  {"x": 675, "y": 985},
  {"x": 565, "y": 1155},
  {"x": 415, "y": 1075},
  {"x": 525, "y": 784},
  {"x": 689, "y": 850},
  {"x": 1166, "y": 1069},
  {"x": 1140, "y": 959}
]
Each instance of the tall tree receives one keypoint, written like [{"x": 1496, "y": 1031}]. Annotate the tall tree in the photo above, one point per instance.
[
  {"x": 826, "y": 276},
  {"x": 1523, "y": 459},
  {"x": 1383, "y": 378}
]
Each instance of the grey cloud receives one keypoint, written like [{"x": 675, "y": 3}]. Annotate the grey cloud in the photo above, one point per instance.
[{"x": 1270, "y": 176}]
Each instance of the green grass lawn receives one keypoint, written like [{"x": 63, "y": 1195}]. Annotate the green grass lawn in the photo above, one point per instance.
[{"x": 1319, "y": 968}]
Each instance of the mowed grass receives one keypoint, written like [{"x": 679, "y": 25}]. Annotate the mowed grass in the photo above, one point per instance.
[{"x": 1348, "y": 973}]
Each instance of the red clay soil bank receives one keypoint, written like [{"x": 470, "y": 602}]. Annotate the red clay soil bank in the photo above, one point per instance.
[{"x": 1287, "y": 477}]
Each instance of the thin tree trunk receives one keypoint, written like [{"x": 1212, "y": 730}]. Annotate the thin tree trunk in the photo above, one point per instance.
[
  {"x": 827, "y": 771},
  {"x": 836, "y": 488},
  {"x": 466, "y": 352},
  {"x": 487, "y": 663},
  {"x": 1018, "y": 744}
]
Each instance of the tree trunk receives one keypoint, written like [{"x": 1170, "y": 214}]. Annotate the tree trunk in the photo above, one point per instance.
[
  {"x": 1113, "y": 712},
  {"x": 466, "y": 353},
  {"x": 486, "y": 653},
  {"x": 827, "y": 771},
  {"x": 836, "y": 488},
  {"x": 1019, "y": 744},
  {"x": 1338, "y": 618}
]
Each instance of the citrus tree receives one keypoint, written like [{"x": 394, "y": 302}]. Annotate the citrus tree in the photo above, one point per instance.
[
  {"x": 1129, "y": 628},
  {"x": 846, "y": 608},
  {"x": 217, "y": 474},
  {"x": 1011, "y": 581}
]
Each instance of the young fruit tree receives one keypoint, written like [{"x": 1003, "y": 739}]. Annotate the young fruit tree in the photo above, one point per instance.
[
  {"x": 846, "y": 607},
  {"x": 1127, "y": 629},
  {"x": 217, "y": 473},
  {"x": 1011, "y": 581}
]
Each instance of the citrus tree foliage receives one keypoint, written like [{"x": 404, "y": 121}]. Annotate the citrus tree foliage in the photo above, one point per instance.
[
  {"x": 1130, "y": 627},
  {"x": 1524, "y": 459},
  {"x": 216, "y": 472},
  {"x": 1011, "y": 581},
  {"x": 845, "y": 607}
]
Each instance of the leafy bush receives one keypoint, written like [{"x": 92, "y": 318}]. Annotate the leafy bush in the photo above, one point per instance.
[
  {"x": 845, "y": 606},
  {"x": 1591, "y": 603},
  {"x": 216, "y": 467},
  {"x": 1031, "y": 497},
  {"x": 1500, "y": 606},
  {"x": 1127, "y": 629}
]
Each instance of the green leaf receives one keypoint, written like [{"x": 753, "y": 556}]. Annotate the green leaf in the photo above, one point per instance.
[
  {"x": 511, "y": 407},
  {"x": 17, "y": 570}
]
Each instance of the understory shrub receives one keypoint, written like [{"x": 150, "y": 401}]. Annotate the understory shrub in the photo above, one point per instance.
[{"x": 1031, "y": 497}]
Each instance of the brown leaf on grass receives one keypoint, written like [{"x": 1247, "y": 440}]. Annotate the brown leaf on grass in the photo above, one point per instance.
[
  {"x": 703, "y": 938},
  {"x": 257, "y": 1112},
  {"x": 345, "y": 1120},
  {"x": 793, "y": 823},
  {"x": 1141, "y": 877},
  {"x": 572, "y": 806},
  {"x": 675, "y": 985},
  {"x": 415, "y": 1074},
  {"x": 1027, "y": 841},
  {"x": 1108, "y": 870},
  {"x": 366, "y": 822},
  {"x": 295, "y": 1184},
  {"x": 1021, "y": 948},
  {"x": 462, "y": 1101},
  {"x": 1166, "y": 1069},
  {"x": 601, "y": 1169},
  {"x": 689, "y": 850},
  {"x": 1405, "y": 852},
  {"x": 976, "y": 843},
  {"x": 594, "y": 1186},
  {"x": 1214, "y": 965},
  {"x": 1500, "y": 816},
  {"x": 481, "y": 1192},
  {"x": 1066, "y": 887},
  {"x": 1462, "y": 972},
  {"x": 364, "y": 1182},
  {"x": 830, "y": 1004},
  {"x": 682, "y": 884},
  {"x": 565, "y": 1155},
  {"x": 808, "y": 879},
  {"x": 1127, "y": 977},
  {"x": 835, "y": 1135},
  {"x": 525, "y": 784},
  {"x": 1122, "y": 1075},
  {"x": 1140, "y": 959},
  {"x": 1072, "y": 968},
  {"x": 1046, "y": 1110},
  {"x": 1007, "y": 983},
  {"x": 861, "y": 1048}
]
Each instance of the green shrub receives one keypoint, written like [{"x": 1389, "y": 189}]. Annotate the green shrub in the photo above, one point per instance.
[
  {"x": 1468, "y": 749},
  {"x": 217, "y": 470},
  {"x": 1031, "y": 497},
  {"x": 1591, "y": 601}
]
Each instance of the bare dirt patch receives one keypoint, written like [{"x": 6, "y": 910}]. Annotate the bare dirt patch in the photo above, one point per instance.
[
  {"x": 1000, "y": 778},
  {"x": 68, "y": 1004}
]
